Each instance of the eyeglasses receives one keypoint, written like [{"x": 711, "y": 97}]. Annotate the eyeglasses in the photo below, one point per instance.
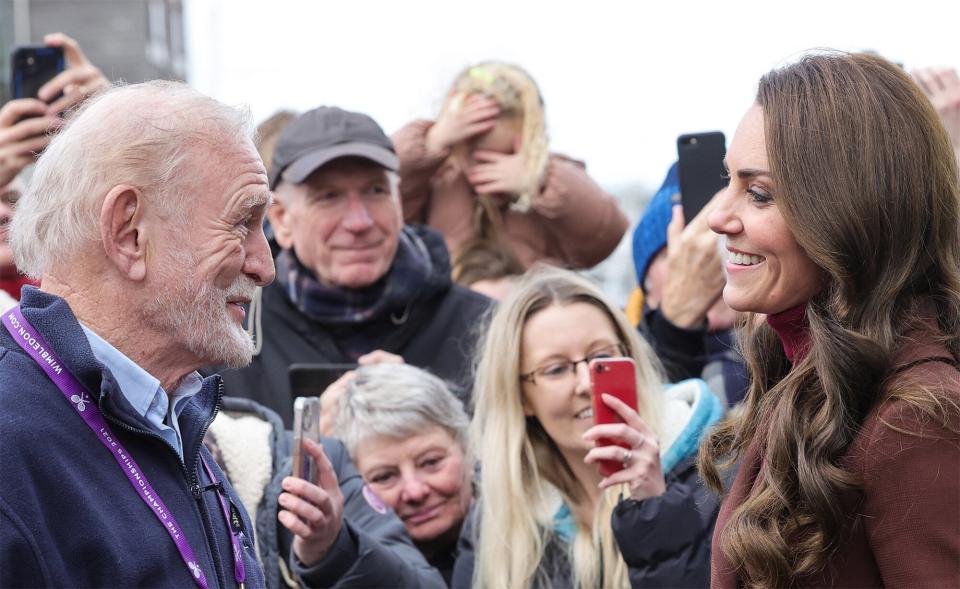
[{"x": 562, "y": 370}]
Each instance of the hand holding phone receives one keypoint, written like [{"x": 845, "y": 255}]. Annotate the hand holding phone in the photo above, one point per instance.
[
  {"x": 627, "y": 450},
  {"x": 701, "y": 170},
  {"x": 616, "y": 377},
  {"x": 306, "y": 426},
  {"x": 25, "y": 127},
  {"x": 33, "y": 66},
  {"x": 312, "y": 510}
]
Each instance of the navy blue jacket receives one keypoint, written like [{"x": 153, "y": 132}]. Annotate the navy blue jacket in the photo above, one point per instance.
[{"x": 68, "y": 515}]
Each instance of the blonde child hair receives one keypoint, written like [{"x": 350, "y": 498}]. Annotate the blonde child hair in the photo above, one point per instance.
[{"x": 517, "y": 95}]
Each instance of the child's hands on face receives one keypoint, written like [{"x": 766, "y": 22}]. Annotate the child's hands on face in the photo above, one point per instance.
[
  {"x": 461, "y": 119},
  {"x": 498, "y": 173}
]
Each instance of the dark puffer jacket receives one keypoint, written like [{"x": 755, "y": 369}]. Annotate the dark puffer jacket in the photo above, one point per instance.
[{"x": 438, "y": 333}]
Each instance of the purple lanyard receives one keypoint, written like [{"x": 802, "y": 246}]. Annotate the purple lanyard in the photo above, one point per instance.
[{"x": 33, "y": 343}]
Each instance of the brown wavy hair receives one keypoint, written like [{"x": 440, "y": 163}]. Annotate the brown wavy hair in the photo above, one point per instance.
[{"x": 867, "y": 181}]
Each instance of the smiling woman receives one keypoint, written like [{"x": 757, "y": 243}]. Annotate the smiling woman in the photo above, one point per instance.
[
  {"x": 549, "y": 513},
  {"x": 842, "y": 223},
  {"x": 406, "y": 432}
]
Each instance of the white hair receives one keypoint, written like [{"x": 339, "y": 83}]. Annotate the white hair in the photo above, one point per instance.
[
  {"x": 397, "y": 401},
  {"x": 145, "y": 135}
]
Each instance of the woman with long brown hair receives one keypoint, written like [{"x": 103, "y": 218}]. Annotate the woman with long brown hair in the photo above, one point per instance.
[{"x": 842, "y": 226}]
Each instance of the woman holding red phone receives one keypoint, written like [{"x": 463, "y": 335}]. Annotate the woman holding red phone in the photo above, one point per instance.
[{"x": 545, "y": 515}]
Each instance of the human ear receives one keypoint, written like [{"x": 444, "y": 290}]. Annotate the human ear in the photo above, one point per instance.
[
  {"x": 122, "y": 230},
  {"x": 280, "y": 222}
]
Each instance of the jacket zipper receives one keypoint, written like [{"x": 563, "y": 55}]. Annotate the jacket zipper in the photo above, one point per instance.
[{"x": 192, "y": 478}]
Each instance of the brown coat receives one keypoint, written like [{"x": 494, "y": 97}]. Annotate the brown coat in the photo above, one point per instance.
[
  {"x": 572, "y": 222},
  {"x": 904, "y": 528}
]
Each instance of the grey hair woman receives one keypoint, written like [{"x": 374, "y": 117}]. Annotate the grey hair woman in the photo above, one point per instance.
[{"x": 407, "y": 434}]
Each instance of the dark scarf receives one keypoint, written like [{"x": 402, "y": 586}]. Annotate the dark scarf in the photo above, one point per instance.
[{"x": 359, "y": 319}]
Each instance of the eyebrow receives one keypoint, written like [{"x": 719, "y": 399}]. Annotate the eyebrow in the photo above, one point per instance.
[
  {"x": 746, "y": 172},
  {"x": 257, "y": 200}
]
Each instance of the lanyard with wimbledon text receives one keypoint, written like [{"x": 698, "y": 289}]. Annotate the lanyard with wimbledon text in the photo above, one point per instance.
[{"x": 33, "y": 343}]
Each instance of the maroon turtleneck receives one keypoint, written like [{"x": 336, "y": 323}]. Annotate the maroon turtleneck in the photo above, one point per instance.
[{"x": 794, "y": 331}]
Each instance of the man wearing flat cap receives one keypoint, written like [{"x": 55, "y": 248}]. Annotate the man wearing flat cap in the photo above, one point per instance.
[{"x": 352, "y": 279}]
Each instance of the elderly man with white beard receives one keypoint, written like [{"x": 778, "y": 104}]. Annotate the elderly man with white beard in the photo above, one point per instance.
[{"x": 144, "y": 220}]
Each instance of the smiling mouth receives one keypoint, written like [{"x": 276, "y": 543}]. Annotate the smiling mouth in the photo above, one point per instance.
[
  {"x": 423, "y": 515},
  {"x": 742, "y": 259},
  {"x": 584, "y": 413}
]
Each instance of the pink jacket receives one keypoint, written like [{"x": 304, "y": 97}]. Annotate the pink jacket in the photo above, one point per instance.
[{"x": 572, "y": 222}]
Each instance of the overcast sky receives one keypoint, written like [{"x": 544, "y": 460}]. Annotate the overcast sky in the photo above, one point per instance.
[{"x": 620, "y": 79}]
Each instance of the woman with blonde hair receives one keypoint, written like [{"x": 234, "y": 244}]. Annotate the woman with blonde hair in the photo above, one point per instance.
[
  {"x": 483, "y": 170},
  {"x": 842, "y": 228},
  {"x": 545, "y": 516}
]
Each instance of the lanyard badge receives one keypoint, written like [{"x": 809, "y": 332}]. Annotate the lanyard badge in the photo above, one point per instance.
[{"x": 28, "y": 338}]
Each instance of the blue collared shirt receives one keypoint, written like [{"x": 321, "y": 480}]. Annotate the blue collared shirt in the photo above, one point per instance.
[{"x": 143, "y": 391}]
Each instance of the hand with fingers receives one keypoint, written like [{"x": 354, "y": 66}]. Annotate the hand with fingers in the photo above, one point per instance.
[
  {"x": 462, "y": 118},
  {"x": 78, "y": 81},
  {"x": 25, "y": 127},
  {"x": 694, "y": 279},
  {"x": 641, "y": 461},
  {"x": 330, "y": 399},
  {"x": 379, "y": 357},
  {"x": 312, "y": 510},
  {"x": 330, "y": 403},
  {"x": 942, "y": 87},
  {"x": 498, "y": 173}
]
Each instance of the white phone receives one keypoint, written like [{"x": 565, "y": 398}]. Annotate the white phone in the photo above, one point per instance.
[{"x": 306, "y": 426}]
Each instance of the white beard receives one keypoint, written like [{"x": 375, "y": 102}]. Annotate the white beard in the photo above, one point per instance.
[{"x": 195, "y": 313}]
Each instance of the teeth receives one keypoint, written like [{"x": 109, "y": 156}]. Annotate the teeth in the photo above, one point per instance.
[
  {"x": 744, "y": 259},
  {"x": 585, "y": 414}
]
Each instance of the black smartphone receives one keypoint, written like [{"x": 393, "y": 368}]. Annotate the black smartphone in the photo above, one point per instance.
[
  {"x": 310, "y": 380},
  {"x": 701, "y": 169},
  {"x": 33, "y": 66}
]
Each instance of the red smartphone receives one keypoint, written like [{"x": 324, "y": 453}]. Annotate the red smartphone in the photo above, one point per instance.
[{"x": 617, "y": 377}]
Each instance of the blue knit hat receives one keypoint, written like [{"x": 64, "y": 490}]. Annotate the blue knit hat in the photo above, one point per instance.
[{"x": 650, "y": 236}]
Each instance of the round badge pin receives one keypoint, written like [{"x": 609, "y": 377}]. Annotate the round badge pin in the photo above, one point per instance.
[{"x": 375, "y": 502}]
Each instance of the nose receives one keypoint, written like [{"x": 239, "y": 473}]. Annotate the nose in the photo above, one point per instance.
[
  {"x": 414, "y": 490},
  {"x": 723, "y": 218},
  {"x": 356, "y": 217},
  {"x": 583, "y": 379},
  {"x": 258, "y": 263}
]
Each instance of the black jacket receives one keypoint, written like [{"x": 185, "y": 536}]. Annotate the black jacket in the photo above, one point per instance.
[
  {"x": 665, "y": 540},
  {"x": 438, "y": 333},
  {"x": 697, "y": 353}
]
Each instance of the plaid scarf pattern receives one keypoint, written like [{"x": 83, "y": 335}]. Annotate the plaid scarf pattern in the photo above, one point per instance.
[{"x": 408, "y": 279}]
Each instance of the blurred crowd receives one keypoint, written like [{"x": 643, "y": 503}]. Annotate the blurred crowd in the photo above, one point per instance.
[{"x": 794, "y": 347}]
